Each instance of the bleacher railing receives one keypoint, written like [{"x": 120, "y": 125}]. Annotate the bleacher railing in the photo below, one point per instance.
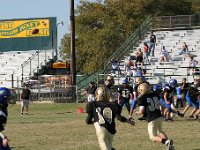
[{"x": 181, "y": 21}]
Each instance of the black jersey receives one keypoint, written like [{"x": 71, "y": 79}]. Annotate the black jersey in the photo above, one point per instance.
[
  {"x": 193, "y": 91},
  {"x": 104, "y": 113},
  {"x": 26, "y": 94},
  {"x": 151, "y": 104},
  {"x": 125, "y": 93}
]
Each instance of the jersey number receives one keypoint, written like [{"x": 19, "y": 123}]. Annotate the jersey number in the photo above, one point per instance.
[
  {"x": 154, "y": 103},
  {"x": 107, "y": 115}
]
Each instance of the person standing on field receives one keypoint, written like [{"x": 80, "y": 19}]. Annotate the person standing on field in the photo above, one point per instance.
[{"x": 25, "y": 98}]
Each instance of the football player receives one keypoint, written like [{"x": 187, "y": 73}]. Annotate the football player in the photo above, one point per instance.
[
  {"x": 125, "y": 94},
  {"x": 192, "y": 96},
  {"x": 169, "y": 94},
  {"x": 102, "y": 113},
  {"x": 148, "y": 102},
  {"x": 4, "y": 97},
  {"x": 138, "y": 81}
]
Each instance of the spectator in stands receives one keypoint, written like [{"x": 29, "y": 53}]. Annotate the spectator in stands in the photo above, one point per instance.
[
  {"x": 152, "y": 43},
  {"x": 139, "y": 56},
  {"x": 193, "y": 63},
  {"x": 184, "y": 49},
  {"x": 164, "y": 55},
  {"x": 115, "y": 66},
  {"x": 25, "y": 98},
  {"x": 129, "y": 63},
  {"x": 145, "y": 54}
]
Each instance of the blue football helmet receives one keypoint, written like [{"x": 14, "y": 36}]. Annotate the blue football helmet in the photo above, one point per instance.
[
  {"x": 125, "y": 81},
  {"x": 173, "y": 82},
  {"x": 156, "y": 87},
  {"x": 4, "y": 95}
]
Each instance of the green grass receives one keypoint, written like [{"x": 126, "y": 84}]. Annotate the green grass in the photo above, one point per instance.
[{"x": 60, "y": 127}]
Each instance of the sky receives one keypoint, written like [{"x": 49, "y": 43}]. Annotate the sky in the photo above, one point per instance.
[{"x": 17, "y": 9}]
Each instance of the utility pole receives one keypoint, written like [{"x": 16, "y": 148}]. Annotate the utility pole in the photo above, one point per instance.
[{"x": 73, "y": 54}]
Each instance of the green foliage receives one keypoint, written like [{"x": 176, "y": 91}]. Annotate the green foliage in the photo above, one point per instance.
[{"x": 101, "y": 27}]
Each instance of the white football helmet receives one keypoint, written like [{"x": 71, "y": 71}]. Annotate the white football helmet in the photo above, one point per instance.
[
  {"x": 102, "y": 94},
  {"x": 143, "y": 88},
  {"x": 110, "y": 80}
]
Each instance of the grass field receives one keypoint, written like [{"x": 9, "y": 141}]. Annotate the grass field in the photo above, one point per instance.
[{"x": 60, "y": 127}]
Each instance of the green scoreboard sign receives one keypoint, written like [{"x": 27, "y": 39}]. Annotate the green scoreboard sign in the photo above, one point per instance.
[{"x": 18, "y": 34}]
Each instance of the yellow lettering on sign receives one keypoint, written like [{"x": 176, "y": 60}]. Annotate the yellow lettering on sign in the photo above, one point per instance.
[{"x": 23, "y": 28}]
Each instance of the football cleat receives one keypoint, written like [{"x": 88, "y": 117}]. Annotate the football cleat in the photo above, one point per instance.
[
  {"x": 170, "y": 145},
  {"x": 196, "y": 117},
  {"x": 191, "y": 117},
  {"x": 131, "y": 119},
  {"x": 180, "y": 114}
]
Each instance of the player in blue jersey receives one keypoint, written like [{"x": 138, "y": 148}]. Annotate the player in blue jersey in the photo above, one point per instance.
[
  {"x": 4, "y": 97},
  {"x": 102, "y": 113},
  {"x": 169, "y": 94},
  {"x": 125, "y": 94},
  {"x": 192, "y": 96}
]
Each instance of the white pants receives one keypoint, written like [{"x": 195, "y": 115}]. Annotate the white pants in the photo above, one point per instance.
[
  {"x": 155, "y": 128},
  {"x": 104, "y": 137}
]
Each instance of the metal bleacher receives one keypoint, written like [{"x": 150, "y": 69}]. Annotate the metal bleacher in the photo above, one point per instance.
[
  {"x": 178, "y": 66},
  {"x": 15, "y": 64}
]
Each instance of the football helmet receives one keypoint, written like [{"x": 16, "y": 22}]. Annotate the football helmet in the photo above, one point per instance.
[
  {"x": 138, "y": 80},
  {"x": 165, "y": 87},
  {"x": 143, "y": 88},
  {"x": 102, "y": 94},
  {"x": 156, "y": 87},
  {"x": 4, "y": 97},
  {"x": 125, "y": 81},
  {"x": 110, "y": 80},
  {"x": 173, "y": 82}
]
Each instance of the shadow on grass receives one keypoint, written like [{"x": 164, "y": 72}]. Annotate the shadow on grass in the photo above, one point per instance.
[
  {"x": 19, "y": 147},
  {"x": 68, "y": 112}
]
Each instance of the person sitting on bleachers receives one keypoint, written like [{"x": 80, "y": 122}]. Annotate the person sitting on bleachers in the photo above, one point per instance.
[
  {"x": 193, "y": 63},
  {"x": 139, "y": 55},
  {"x": 115, "y": 66},
  {"x": 184, "y": 49},
  {"x": 164, "y": 55},
  {"x": 146, "y": 53}
]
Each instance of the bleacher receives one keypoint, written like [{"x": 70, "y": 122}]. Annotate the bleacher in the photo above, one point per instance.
[
  {"x": 178, "y": 66},
  {"x": 15, "y": 64}
]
